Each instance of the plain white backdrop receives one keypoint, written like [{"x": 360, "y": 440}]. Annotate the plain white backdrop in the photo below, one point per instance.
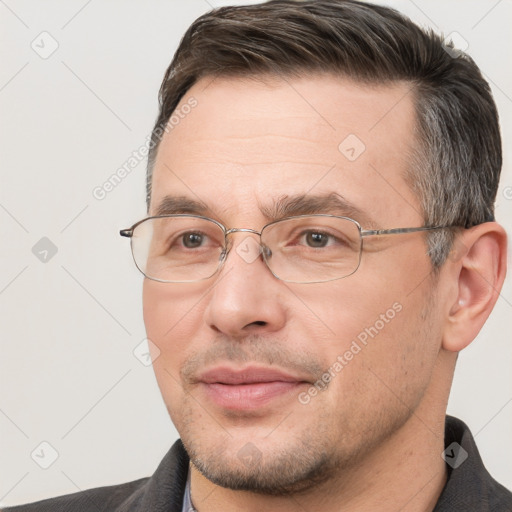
[{"x": 78, "y": 95}]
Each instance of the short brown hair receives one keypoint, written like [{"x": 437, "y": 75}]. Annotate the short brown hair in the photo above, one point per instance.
[{"x": 456, "y": 166}]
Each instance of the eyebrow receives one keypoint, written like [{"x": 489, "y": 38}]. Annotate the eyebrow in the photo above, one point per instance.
[
  {"x": 308, "y": 204},
  {"x": 284, "y": 206},
  {"x": 172, "y": 205}
]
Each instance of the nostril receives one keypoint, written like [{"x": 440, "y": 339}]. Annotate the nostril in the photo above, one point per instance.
[{"x": 259, "y": 322}]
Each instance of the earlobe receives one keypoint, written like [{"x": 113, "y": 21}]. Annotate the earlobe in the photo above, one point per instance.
[{"x": 478, "y": 271}]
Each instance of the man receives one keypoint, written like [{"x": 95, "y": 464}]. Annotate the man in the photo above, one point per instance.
[{"x": 320, "y": 245}]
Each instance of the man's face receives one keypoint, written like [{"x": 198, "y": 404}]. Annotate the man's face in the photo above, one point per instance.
[{"x": 240, "y": 352}]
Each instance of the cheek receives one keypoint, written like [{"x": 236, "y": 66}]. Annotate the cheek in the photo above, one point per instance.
[
  {"x": 170, "y": 312},
  {"x": 376, "y": 322},
  {"x": 379, "y": 363},
  {"x": 172, "y": 319},
  {"x": 349, "y": 309}
]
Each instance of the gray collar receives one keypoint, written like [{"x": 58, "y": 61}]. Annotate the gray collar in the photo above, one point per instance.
[{"x": 187, "y": 501}]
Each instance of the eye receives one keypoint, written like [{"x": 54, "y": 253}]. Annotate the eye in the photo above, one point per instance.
[
  {"x": 316, "y": 239},
  {"x": 192, "y": 240}
]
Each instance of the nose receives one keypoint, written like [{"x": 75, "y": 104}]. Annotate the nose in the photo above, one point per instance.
[{"x": 246, "y": 298}]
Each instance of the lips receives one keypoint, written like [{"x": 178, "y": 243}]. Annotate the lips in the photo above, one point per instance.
[
  {"x": 249, "y": 375},
  {"x": 248, "y": 388}
]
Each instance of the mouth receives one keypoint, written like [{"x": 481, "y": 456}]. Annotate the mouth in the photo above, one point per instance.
[{"x": 248, "y": 388}]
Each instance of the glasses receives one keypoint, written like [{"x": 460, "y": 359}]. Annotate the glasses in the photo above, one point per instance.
[{"x": 299, "y": 249}]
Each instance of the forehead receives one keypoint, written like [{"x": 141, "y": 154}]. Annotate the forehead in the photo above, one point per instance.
[{"x": 252, "y": 141}]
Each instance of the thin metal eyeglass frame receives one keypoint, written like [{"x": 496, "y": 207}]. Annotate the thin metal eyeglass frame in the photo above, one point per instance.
[{"x": 227, "y": 247}]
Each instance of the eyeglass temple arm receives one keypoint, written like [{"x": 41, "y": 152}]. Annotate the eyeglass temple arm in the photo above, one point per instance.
[
  {"x": 126, "y": 232},
  {"x": 398, "y": 231}
]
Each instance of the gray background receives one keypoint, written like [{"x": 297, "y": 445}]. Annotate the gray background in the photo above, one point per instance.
[{"x": 68, "y": 374}]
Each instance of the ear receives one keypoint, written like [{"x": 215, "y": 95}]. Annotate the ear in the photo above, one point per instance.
[{"x": 477, "y": 268}]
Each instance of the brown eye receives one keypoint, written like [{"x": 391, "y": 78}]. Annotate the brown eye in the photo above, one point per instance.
[
  {"x": 192, "y": 240},
  {"x": 317, "y": 239}
]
